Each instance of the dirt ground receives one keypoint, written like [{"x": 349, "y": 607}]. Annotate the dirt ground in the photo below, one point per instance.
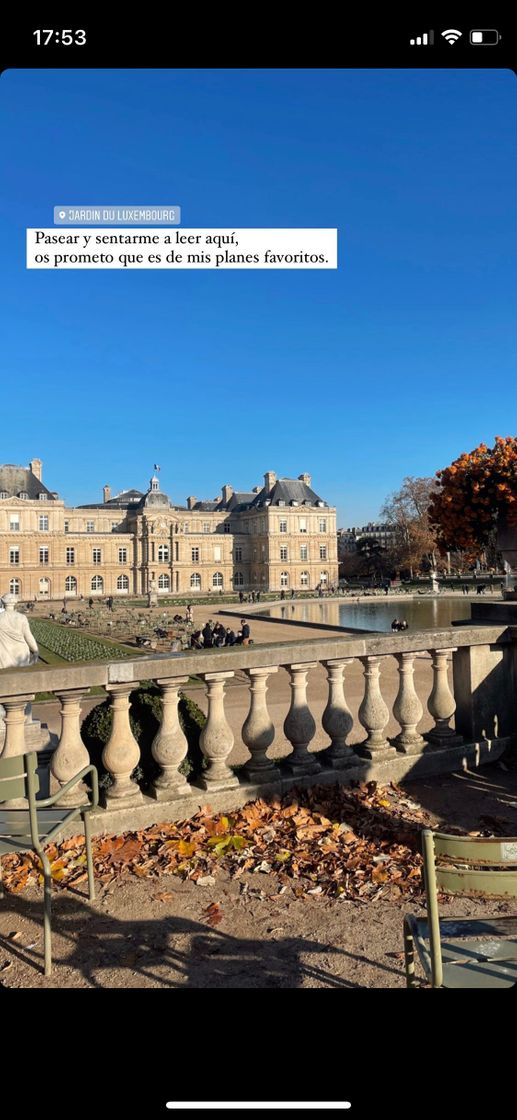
[{"x": 156, "y": 933}]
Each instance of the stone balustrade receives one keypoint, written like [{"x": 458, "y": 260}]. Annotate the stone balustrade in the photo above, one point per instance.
[{"x": 478, "y": 693}]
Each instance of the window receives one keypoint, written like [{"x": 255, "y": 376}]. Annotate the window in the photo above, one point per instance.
[
  {"x": 304, "y": 579},
  {"x": 195, "y": 555},
  {"x": 114, "y": 525},
  {"x": 42, "y": 497},
  {"x": 284, "y": 579},
  {"x": 238, "y": 554},
  {"x": 164, "y": 582},
  {"x": 97, "y": 583},
  {"x": 324, "y": 577},
  {"x": 24, "y": 495},
  {"x": 67, "y": 523},
  {"x": 217, "y": 579},
  {"x": 323, "y": 552},
  {"x": 14, "y": 555},
  {"x": 227, "y": 527},
  {"x": 43, "y": 555},
  {"x": 163, "y": 552},
  {"x": 283, "y": 526},
  {"x": 70, "y": 555},
  {"x": 303, "y": 524},
  {"x": 14, "y": 523},
  {"x": 44, "y": 588},
  {"x": 4, "y": 494},
  {"x": 195, "y": 581},
  {"x": 70, "y": 583},
  {"x": 90, "y": 526},
  {"x": 15, "y": 587},
  {"x": 122, "y": 555},
  {"x": 206, "y": 526},
  {"x": 238, "y": 579},
  {"x": 43, "y": 523},
  {"x": 323, "y": 524},
  {"x": 97, "y": 555},
  {"x": 217, "y": 554},
  {"x": 122, "y": 583},
  {"x": 304, "y": 552},
  {"x": 283, "y": 552}
]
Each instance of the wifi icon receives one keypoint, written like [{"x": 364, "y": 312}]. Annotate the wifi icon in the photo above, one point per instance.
[{"x": 451, "y": 36}]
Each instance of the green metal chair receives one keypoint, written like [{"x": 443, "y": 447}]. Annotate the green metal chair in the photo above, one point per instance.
[
  {"x": 464, "y": 952},
  {"x": 41, "y": 822}
]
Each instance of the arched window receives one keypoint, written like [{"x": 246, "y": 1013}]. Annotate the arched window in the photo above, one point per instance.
[
  {"x": 15, "y": 587},
  {"x": 44, "y": 588},
  {"x": 123, "y": 583},
  {"x": 164, "y": 583},
  {"x": 195, "y": 581},
  {"x": 217, "y": 579},
  {"x": 71, "y": 584},
  {"x": 163, "y": 552},
  {"x": 238, "y": 579},
  {"x": 97, "y": 583},
  {"x": 304, "y": 579},
  {"x": 284, "y": 579},
  {"x": 324, "y": 577}
]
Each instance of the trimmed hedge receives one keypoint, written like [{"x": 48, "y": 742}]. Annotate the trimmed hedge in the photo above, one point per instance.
[{"x": 145, "y": 713}]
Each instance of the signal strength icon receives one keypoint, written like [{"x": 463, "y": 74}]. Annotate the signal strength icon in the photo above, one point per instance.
[
  {"x": 425, "y": 40},
  {"x": 451, "y": 36}
]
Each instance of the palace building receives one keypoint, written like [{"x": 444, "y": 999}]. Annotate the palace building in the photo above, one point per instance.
[{"x": 280, "y": 536}]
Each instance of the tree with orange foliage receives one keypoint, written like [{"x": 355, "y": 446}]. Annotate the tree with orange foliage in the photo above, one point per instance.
[{"x": 476, "y": 495}]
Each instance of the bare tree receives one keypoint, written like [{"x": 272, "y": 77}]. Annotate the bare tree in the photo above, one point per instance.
[{"x": 406, "y": 510}]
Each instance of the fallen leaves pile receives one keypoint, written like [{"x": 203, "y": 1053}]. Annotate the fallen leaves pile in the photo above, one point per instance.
[
  {"x": 353, "y": 843},
  {"x": 335, "y": 841}
]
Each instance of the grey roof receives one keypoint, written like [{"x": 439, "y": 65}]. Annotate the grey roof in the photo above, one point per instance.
[
  {"x": 21, "y": 480},
  {"x": 120, "y": 501},
  {"x": 288, "y": 490},
  {"x": 240, "y": 500},
  {"x": 208, "y": 507}
]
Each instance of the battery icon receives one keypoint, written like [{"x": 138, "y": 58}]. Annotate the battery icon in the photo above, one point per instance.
[{"x": 484, "y": 38}]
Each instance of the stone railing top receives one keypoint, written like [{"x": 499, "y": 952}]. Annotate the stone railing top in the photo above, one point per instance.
[{"x": 33, "y": 679}]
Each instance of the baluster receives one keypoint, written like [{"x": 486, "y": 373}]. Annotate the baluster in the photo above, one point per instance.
[
  {"x": 14, "y": 742},
  {"x": 374, "y": 715},
  {"x": 121, "y": 753},
  {"x": 71, "y": 754},
  {"x": 216, "y": 739},
  {"x": 337, "y": 718},
  {"x": 441, "y": 704},
  {"x": 170, "y": 745},
  {"x": 407, "y": 708},
  {"x": 258, "y": 730},
  {"x": 299, "y": 725}
]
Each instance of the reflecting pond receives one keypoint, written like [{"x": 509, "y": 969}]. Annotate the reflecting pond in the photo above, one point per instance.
[{"x": 427, "y": 613}]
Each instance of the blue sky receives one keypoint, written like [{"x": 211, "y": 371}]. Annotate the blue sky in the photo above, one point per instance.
[{"x": 389, "y": 366}]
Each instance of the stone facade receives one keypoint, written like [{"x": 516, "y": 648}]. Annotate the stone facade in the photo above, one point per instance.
[{"x": 281, "y": 536}]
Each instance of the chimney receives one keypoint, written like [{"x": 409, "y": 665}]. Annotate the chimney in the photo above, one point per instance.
[
  {"x": 191, "y": 502},
  {"x": 36, "y": 466},
  {"x": 269, "y": 480},
  {"x": 306, "y": 478},
  {"x": 106, "y": 493},
  {"x": 227, "y": 492}
]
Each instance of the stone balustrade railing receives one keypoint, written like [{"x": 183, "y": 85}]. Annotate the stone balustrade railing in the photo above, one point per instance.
[{"x": 479, "y": 694}]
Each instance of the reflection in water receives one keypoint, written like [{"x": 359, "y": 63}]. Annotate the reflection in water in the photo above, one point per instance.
[{"x": 424, "y": 614}]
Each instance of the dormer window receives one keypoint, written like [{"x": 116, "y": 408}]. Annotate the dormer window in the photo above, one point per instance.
[
  {"x": 42, "y": 497},
  {"x": 4, "y": 494},
  {"x": 293, "y": 503},
  {"x": 321, "y": 504},
  {"x": 281, "y": 503},
  {"x": 23, "y": 495}
]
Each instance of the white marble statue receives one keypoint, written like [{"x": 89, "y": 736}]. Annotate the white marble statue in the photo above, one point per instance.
[{"x": 18, "y": 645}]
